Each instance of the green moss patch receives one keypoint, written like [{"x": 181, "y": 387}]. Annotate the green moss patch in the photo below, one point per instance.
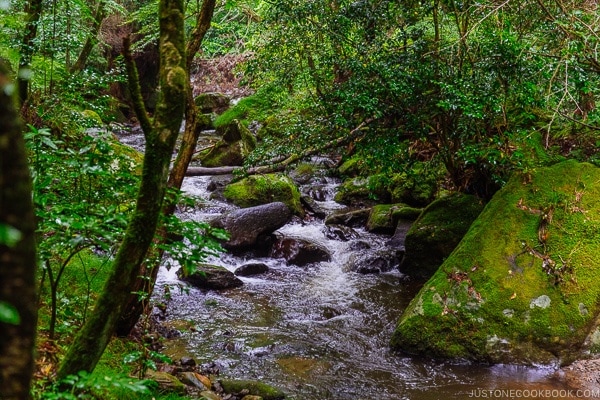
[
  {"x": 522, "y": 286},
  {"x": 263, "y": 189}
]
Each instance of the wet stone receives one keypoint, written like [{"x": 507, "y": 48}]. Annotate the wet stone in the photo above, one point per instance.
[{"x": 251, "y": 269}]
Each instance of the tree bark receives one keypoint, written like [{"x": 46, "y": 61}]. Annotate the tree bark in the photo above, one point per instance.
[
  {"x": 91, "y": 40},
  {"x": 148, "y": 274},
  {"x": 18, "y": 260},
  {"x": 34, "y": 12},
  {"x": 92, "y": 339}
]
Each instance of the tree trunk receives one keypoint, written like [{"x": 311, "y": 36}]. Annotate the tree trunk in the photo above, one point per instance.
[
  {"x": 147, "y": 277},
  {"x": 92, "y": 339},
  {"x": 34, "y": 13},
  {"x": 91, "y": 40},
  {"x": 17, "y": 260}
]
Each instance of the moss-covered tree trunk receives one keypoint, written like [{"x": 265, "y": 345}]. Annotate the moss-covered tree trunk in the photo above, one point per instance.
[
  {"x": 145, "y": 282},
  {"x": 34, "y": 13},
  {"x": 161, "y": 135},
  {"x": 17, "y": 255}
]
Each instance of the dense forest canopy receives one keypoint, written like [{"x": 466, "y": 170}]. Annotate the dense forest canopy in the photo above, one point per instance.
[{"x": 466, "y": 92}]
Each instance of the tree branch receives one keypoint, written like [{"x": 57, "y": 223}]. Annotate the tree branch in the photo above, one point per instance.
[
  {"x": 133, "y": 82},
  {"x": 283, "y": 164}
]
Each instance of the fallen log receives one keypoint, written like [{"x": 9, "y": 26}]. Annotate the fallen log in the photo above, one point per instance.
[{"x": 280, "y": 165}]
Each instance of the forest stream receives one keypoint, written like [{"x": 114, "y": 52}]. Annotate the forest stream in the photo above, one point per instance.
[{"x": 319, "y": 332}]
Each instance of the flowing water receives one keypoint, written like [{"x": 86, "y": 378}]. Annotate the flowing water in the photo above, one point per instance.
[{"x": 321, "y": 332}]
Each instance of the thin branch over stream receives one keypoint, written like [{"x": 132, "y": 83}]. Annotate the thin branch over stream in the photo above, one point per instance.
[{"x": 355, "y": 133}]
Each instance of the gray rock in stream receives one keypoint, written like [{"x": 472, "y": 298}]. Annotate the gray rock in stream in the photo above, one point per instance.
[
  {"x": 209, "y": 276},
  {"x": 380, "y": 261},
  {"x": 299, "y": 251},
  {"x": 251, "y": 269},
  {"x": 247, "y": 225}
]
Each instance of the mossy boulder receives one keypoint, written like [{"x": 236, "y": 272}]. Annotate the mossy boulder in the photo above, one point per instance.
[
  {"x": 235, "y": 145},
  {"x": 254, "y": 388},
  {"x": 522, "y": 285},
  {"x": 352, "y": 167},
  {"x": 212, "y": 102},
  {"x": 383, "y": 217},
  {"x": 361, "y": 192},
  {"x": 263, "y": 189},
  {"x": 436, "y": 232}
]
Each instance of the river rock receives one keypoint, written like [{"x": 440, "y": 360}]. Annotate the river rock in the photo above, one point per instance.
[
  {"x": 313, "y": 207},
  {"x": 436, "y": 233},
  {"x": 362, "y": 192},
  {"x": 299, "y": 251},
  {"x": 251, "y": 269},
  {"x": 354, "y": 218},
  {"x": 212, "y": 102},
  {"x": 340, "y": 232},
  {"x": 522, "y": 285},
  {"x": 383, "y": 217},
  {"x": 398, "y": 239},
  {"x": 166, "y": 381},
  {"x": 209, "y": 276},
  {"x": 246, "y": 225},
  {"x": 264, "y": 189},
  {"x": 235, "y": 145},
  {"x": 194, "y": 379},
  {"x": 253, "y": 388},
  {"x": 373, "y": 263}
]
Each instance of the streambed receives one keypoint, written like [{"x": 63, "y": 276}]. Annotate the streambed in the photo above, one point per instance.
[{"x": 322, "y": 332}]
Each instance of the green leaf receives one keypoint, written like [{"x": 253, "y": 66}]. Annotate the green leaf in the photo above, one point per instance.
[
  {"x": 9, "y": 314},
  {"x": 132, "y": 357},
  {"x": 9, "y": 236}
]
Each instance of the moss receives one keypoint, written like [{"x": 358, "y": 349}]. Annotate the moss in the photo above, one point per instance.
[
  {"x": 363, "y": 191},
  {"x": 92, "y": 118},
  {"x": 437, "y": 231},
  {"x": 262, "y": 189},
  {"x": 381, "y": 218},
  {"x": 236, "y": 143},
  {"x": 256, "y": 107},
  {"x": 487, "y": 291},
  {"x": 351, "y": 167},
  {"x": 406, "y": 213},
  {"x": 255, "y": 388},
  {"x": 212, "y": 102}
]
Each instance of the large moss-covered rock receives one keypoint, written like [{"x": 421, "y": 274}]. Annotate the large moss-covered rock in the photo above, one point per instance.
[
  {"x": 235, "y": 145},
  {"x": 212, "y": 102},
  {"x": 263, "y": 390},
  {"x": 522, "y": 286},
  {"x": 263, "y": 189},
  {"x": 384, "y": 217},
  {"x": 360, "y": 192},
  {"x": 437, "y": 231}
]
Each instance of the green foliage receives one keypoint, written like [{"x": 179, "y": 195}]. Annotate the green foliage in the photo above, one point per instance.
[
  {"x": 9, "y": 314},
  {"x": 9, "y": 236},
  {"x": 257, "y": 107},
  {"x": 198, "y": 241},
  {"x": 145, "y": 359},
  {"x": 91, "y": 386},
  {"x": 83, "y": 190}
]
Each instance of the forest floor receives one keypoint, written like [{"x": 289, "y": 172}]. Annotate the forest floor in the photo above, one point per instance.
[{"x": 222, "y": 74}]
